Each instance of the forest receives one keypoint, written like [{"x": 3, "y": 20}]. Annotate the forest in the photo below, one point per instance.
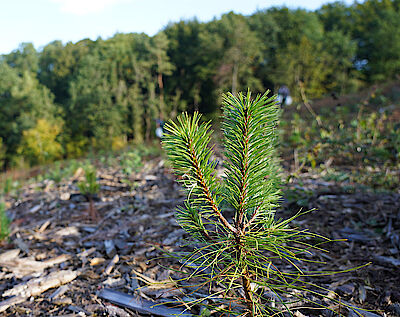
[
  {"x": 68, "y": 99},
  {"x": 251, "y": 202}
]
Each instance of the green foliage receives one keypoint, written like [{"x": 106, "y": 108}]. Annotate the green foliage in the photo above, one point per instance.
[
  {"x": 377, "y": 28},
  {"x": 358, "y": 143},
  {"x": 243, "y": 257},
  {"x": 241, "y": 52},
  {"x": 130, "y": 162},
  {"x": 4, "y": 222},
  {"x": 25, "y": 59},
  {"x": 61, "y": 170},
  {"x": 2, "y": 152},
  {"x": 101, "y": 91},
  {"x": 10, "y": 186},
  {"x": 39, "y": 144},
  {"x": 56, "y": 173},
  {"x": 89, "y": 186},
  {"x": 23, "y": 101}
]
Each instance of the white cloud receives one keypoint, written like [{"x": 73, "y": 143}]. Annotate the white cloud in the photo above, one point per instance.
[{"x": 82, "y": 7}]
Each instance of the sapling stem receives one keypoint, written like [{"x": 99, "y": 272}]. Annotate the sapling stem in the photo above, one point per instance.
[
  {"x": 206, "y": 190},
  {"x": 247, "y": 292},
  {"x": 92, "y": 210}
]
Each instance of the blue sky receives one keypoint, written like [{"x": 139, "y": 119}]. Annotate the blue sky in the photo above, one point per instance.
[{"x": 43, "y": 21}]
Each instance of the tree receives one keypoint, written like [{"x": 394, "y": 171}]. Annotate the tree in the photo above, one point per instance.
[
  {"x": 22, "y": 102},
  {"x": 25, "y": 59},
  {"x": 162, "y": 66},
  {"x": 110, "y": 93},
  {"x": 337, "y": 16},
  {"x": 340, "y": 51},
  {"x": 194, "y": 51},
  {"x": 266, "y": 30},
  {"x": 59, "y": 64},
  {"x": 92, "y": 112},
  {"x": 242, "y": 52},
  {"x": 377, "y": 32},
  {"x": 39, "y": 144},
  {"x": 307, "y": 65},
  {"x": 296, "y": 24}
]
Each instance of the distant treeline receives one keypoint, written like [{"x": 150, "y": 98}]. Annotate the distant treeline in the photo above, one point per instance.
[{"x": 65, "y": 99}]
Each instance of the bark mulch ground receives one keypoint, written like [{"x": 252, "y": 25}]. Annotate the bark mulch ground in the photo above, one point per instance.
[{"x": 58, "y": 262}]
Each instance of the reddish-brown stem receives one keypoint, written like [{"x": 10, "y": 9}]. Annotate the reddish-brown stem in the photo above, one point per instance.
[
  {"x": 92, "y": 210},
  {"x": 247, "y": 293},
  {"x": 207, "y": 192}
]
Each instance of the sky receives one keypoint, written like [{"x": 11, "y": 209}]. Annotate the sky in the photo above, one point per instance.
[{"x": 43, "y": 21}]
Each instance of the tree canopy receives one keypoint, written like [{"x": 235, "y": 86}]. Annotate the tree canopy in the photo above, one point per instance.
[{"x": 104, "y": 91}]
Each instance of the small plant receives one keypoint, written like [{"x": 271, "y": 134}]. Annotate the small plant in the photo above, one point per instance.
[
  {"x": 130, "y": 162},
  {"x": 4, "y": 222},
  {"x": 242, "y": 261},
  {"x": 8, "y": 185},
  {"x": 56, "y": 173},
  {"x": 89, "y": 188}
]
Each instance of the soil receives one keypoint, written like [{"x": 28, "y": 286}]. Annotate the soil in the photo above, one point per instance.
[{"x": 51, "y": 231}]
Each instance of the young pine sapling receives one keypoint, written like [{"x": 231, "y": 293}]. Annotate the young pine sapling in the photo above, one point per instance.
[
  {"x": 89, "y": 188},
  {"x": 244, "y": 257}
]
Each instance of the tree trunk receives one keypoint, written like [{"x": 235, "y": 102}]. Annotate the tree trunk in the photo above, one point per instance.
[{"x": 161, "y": 86}]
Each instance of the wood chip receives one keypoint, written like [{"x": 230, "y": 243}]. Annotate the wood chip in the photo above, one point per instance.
[
  {"x": 21, "y": 245},
  {"x": 110, "y": 248},
  {"x": 36, "y": 286},
  {"x": 59, "y": 292},
  {"x": 86, "y": 253},
  {"x": 44, "y": 226},
  {"x": 5, "y": 304},
  {"x": 68, "y": 231},
  {"x": 140, "y": 305},
  {"x": 21, "y": 267},
  {"x": 9, "y": 255},
  {"x": 35, "y": 209},
  {"x": 96, "y": 261},
  {"x": 111, "y": 265},
  {"x": 387, "y": 260},
  {"x": 115, "y": 311}
]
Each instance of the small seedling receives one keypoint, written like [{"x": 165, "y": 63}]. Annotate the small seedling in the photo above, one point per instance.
[
  {"x": 89, "y": 188},
  {"x": 8, "y": 186},
  {"x": 4, "y": 222},
  {"x": 243, "y": 260},
  {"x": 130, "y": 162},
  {"x": 56, "y": 173}
]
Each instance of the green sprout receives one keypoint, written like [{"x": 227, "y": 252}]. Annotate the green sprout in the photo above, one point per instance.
[
  {"x": 89, "y": 188},
  {"x": 4, "y": 222},
  {"x": 243, "y": 260},
  {"x": 130, "y": 162}
]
